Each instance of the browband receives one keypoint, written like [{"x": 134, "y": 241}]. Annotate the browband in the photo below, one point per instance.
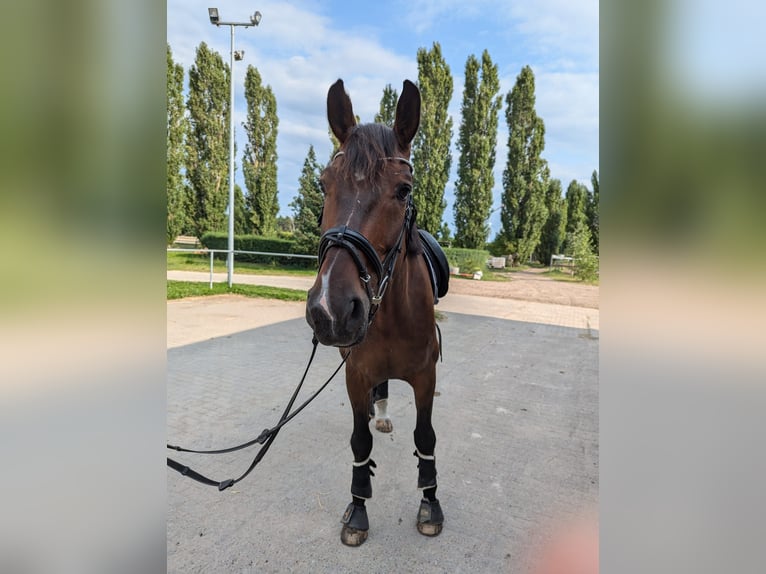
[{"x": 396, "y": 158}]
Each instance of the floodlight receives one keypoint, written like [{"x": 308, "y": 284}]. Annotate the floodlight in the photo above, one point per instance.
[
  {"x": 239, "y": 54},
  {"x": 256, "y": 18},
  {"x": 213, "y": 13}
]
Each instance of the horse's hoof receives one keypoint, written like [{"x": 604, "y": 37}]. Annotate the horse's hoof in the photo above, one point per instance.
[
  {"x": 430, "y": 518},
  {"x": 355, "y": 525},
  {"x": 352, "y": 536},
  {"x": 427, "y": 529},
  {"x": 384, "y": 425}
]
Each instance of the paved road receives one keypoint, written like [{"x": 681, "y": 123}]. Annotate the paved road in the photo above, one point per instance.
[{"x": 517, "y": 451}]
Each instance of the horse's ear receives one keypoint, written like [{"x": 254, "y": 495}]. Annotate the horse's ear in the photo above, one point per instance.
[
  {"x": 407, "y": 115},
  {"x": 339, "y": 111}
]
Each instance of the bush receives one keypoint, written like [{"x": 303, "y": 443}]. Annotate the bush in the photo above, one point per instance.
[
  {"x": 469, "y": 260},
  {"x": 218, "y": 240}
]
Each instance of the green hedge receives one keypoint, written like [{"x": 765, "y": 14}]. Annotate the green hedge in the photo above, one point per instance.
[
  {"x": 468, "y": 260},
  {"x": 218, "y": 240}
]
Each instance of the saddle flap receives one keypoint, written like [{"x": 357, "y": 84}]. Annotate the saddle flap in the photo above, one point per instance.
[{"x": 436, "y": 260}]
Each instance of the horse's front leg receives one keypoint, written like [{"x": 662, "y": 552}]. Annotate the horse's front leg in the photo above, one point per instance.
[
  {"x": 430, "y": 516},
  {"x": 355, "y": 523}
]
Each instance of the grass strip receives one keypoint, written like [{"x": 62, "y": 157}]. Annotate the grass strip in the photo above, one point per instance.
[{"x": 181, "y": 289}]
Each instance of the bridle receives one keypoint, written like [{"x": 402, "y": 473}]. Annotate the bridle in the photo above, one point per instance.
[{"x": 354, "y": 242}]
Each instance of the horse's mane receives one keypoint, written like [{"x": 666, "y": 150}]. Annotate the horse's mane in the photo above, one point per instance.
[{"x": 366, "y": 146}]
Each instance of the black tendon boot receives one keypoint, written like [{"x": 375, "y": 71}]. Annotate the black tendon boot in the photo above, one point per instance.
[
  {"x": 355, "y": 522},
  {"x": 430, "y": 516}
]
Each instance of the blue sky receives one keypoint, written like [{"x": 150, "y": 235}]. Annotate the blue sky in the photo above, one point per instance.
[{"x": 301, "y": 48}]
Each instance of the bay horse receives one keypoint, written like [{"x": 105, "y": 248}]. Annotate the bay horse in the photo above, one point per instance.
[{"x": 372, "y": 297}]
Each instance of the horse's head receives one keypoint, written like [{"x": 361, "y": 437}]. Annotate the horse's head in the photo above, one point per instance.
[{"x": 367, "y": 214}]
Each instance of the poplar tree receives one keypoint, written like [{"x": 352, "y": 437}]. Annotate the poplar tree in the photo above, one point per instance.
[
  {"x": 592, "y": 210},
  {"x": 307, "y": 206},
  {"x": 476, "y": 142},
  {"x": 242, "y": 220},
  {"x": 553, "y": 233},
  {"x": 177, "y": 204},
  {"x": 431, "y": 148},
  {"x": 259, "y": 164},
  {"x": 523, "y": 213},
  {"x": 388, "y": 101},
  {"x": 577, "y": 200},
  {"x": 207, "y": 165}
]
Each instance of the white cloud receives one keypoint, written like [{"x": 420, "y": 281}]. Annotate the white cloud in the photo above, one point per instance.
[
  {"x": 550, "y": 28},
  {"x": 299, "y": 54}
]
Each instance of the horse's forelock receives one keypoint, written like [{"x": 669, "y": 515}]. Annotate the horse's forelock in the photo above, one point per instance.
[{"x": 366, "y": 146}]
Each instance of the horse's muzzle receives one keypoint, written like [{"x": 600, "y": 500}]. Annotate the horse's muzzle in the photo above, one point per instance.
[{"x": 337, "y": 321}]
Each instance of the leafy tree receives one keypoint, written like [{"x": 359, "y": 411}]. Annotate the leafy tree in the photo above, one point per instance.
[
  {"x": 554, "y": 231},
  {"x": 523, "y": 213},
  {"x": 430, "y": 151},
  {"x": 285, "y": 224},
  {"x": 586, "y": 263},
  {"x": 477, "y": 141},
  {"x": 444, "y": 235},
  {"x": 260, "y": 159},
  {"x": 307, "y": 206},
  {"x": 207, "y": 165},
  {"x": 242, "y": 219},
  {"x": 387, "y": 113},
  {"x": 577, "y": 199},
  {"x": 177, "y": 204},
  {"x": 591, "y": 210}
]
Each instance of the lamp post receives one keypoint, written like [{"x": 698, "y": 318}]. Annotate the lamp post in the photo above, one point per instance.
[{"x": 255, "y": 19}]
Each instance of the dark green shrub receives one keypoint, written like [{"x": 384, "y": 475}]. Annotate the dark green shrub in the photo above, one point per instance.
[{"x": 218, "y": 240}]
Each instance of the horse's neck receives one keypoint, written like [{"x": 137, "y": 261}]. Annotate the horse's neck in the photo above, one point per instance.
[{"x": 409, "y": 291}]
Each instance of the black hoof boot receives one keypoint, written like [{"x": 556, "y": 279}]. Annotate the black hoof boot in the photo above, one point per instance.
[
  {"x": 430, "y": 517},
  {"x": 355, "y": 525}
]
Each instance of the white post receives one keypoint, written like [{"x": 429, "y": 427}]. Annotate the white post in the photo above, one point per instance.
[
  {"x": 255, "y": 19},
  {"x": 230, "y": 259}
]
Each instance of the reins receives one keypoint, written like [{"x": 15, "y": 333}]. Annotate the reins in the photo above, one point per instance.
[{"x": 266, "y": 438}]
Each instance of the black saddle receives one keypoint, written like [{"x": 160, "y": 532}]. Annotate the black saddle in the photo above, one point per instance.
[{"x": 438, "y": 267}]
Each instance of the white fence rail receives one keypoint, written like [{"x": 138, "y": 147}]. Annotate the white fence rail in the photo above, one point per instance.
[{"x": 205, "y": 251}]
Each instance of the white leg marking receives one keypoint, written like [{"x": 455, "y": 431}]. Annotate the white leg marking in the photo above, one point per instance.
[{"x": 380, "y": 409}]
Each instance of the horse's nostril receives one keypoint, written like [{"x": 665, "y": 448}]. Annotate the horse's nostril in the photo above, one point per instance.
[{"x": 357, "y": 309}]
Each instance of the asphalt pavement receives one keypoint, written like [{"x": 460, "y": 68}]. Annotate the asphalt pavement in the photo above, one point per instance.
[{"x": 516, "y": 420}]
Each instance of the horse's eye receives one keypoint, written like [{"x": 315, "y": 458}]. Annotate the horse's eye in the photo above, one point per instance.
[
  {"x": 403, "y": 190},
  {"x": 321, "y": 188}
]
